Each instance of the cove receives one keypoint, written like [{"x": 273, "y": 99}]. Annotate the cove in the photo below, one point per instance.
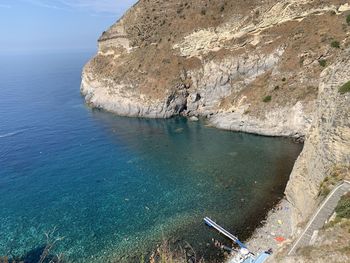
[{"x": 114, "y": 187}]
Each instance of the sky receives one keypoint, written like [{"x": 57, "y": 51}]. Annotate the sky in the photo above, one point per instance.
[{"x": 31, "y": 25}]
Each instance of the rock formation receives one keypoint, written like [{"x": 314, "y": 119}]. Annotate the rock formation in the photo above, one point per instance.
[
  {"x": 327, "y": 145},
  {"x": 218, "y": 59}
]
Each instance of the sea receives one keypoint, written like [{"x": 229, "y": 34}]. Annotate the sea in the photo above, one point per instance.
[{"x": 103, "y": 188}]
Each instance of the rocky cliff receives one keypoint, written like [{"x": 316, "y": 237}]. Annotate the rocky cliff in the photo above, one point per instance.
[
  {"x": 271, "y": 67},
  {"x": 236, "y": 62},
  {"x": 327, "y": 146}
]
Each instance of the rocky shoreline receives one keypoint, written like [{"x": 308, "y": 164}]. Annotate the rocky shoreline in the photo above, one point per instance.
[
  {"x": 275, "y": 231},
  {"x": 291, "y": 122}
]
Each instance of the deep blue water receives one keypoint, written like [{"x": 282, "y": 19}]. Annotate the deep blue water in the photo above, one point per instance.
[{"x": 112, "y": 186}]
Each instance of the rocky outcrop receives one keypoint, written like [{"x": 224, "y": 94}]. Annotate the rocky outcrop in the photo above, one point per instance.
[
  {"x": 124, "y": 100},
  {"x": 284, "y": 121},
  {"x": 327, "y": 145},
  {"x": 219, "y": 60},
  {"x": 217, "y": 80}
]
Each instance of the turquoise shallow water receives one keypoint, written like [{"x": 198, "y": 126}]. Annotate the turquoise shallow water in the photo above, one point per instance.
[{"x": 112, "y": 186}]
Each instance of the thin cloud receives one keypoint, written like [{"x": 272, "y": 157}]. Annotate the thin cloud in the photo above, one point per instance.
[
  {"x": 5, "y": 6},
  {"x": 106, "y": 6},
  {"x": 96, "y": 6},
  {"x": 43, "y": 3}
]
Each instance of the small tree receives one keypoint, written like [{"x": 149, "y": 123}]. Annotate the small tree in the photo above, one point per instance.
[
  {"x": 345, "y": 88},
  {"x": 335, "y": 44},
  {"x": 343, "y": 207},
  {"x": 322, "y": 62},
  {"x": 267, "y": 99}
]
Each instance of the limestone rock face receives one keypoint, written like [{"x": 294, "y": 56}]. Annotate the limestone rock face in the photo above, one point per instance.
[
  {"x": 327, "y": 145},
  {"x": 218, "y": 59},
  {"x": 124, "y": 100},
  {"x": 283, "y": 121}
]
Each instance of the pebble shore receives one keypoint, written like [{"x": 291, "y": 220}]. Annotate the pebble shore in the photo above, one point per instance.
[{"x": 275, "y": 231}]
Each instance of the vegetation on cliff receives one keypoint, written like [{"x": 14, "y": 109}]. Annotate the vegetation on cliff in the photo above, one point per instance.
[
  {"x": 165, "y": 253},
  {"x": 345, "y": 88},
  {"x": 343, "y": 208},
  {"x": 336, "y": 175}
]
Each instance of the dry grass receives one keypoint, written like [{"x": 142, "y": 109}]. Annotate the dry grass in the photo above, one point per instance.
[
  {"x": 332, "y": 243},
  {"x": 165, "y": 253}
]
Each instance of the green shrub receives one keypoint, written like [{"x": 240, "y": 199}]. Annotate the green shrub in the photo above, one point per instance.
[
  {"x": 336, "y": 174},
  {"x": 284, "y": 79},
  {"x": 332, "y": 223},
  {"x": 348, "y": 20},
  {"x": 267, "y": 99},
  {"x": 325, "y": 187},
  {"x": 322, "y": 62},
  {"x": 345, "y": 88},
  {"x": 335, "y": 44},
  {"x": 343, "y": 207}
]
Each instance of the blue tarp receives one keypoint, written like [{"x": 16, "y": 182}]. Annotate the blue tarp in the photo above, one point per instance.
[{"x": 261, "y": 258}]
